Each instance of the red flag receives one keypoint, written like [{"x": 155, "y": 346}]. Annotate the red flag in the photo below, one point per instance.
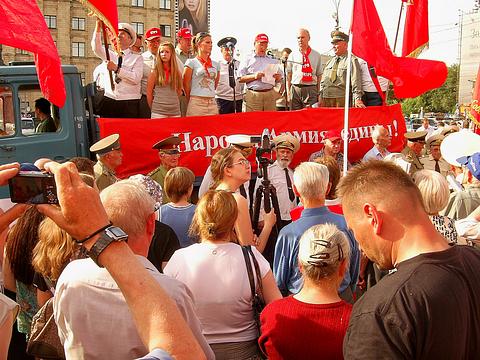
[
  {"x": 410, "y": 77},
  {"x": 474, "y": 112},
  {"x": 23, "y": 26},
  {"x": 415, "y": 32},
  {"x": 105, "y": 10}
]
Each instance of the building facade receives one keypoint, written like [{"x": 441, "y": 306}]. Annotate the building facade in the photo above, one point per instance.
[
  {"x": 469, "y": 54},
  {"x": 72, "y": 29}
]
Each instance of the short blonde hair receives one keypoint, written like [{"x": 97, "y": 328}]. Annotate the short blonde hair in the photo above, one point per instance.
[
  {"x": 434, "y": 189},
  {"x": 178, "y": 182},
  {"x": 215, "y": 216},
  {"x": 311, "y": 180}
]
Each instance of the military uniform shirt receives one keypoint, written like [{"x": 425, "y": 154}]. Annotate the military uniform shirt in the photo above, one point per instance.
[
  {"x": 336, "y": 89},
  {"x": 413, "y": 159},
  {"x": 103, "y": 176},
  {"x": 159, "y": 176},
  {"x": 428, "y": 163}
]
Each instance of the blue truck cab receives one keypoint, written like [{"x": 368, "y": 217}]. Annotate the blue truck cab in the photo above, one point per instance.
[{"x": 19, "y": 137}]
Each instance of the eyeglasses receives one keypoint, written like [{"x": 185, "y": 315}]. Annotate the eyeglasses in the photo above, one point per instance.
[{"x": 243, "y": 162}]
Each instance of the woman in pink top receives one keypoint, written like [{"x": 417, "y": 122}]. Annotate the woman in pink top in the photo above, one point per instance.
[{"x": 215, "y": 272}]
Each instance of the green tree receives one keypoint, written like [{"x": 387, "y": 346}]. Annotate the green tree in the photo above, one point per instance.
[{"x": 442, "y": 99}]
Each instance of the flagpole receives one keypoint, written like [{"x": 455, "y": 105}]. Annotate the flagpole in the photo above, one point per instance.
[
  {"x": 346, "y": 110},
  {"x": 107, "y": 54},
  {"x": 398, "y": 26}
]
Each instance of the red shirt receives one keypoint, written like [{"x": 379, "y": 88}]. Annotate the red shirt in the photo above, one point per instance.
[
  {"x": 297, "y": 212},
  {"x": 292, "y": 329}
]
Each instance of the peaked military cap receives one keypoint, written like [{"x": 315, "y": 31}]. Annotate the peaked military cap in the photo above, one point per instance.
[
  {"x": 229, "y": 39},
  {"x": 168, "y": 145},
  {"x": 107, "y": 144},
  {"x": 416, "y": 136},
  {"x": 338, "y": 36},
  {"x": 287, "y": 141}
]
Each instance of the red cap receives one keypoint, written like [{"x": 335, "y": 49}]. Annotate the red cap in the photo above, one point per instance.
[
  {"x": 261, "y": 38},
  {"x": 153, "y": 33},
  {"x": 332, "y": 135},
  {"x": 184, "y": 33}
]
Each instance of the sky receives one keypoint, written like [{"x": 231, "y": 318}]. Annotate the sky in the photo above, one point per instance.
[{"x": 280, "y": 20}]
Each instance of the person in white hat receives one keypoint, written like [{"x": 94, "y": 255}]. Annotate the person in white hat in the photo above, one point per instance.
[{"x": 121, "y": 100}]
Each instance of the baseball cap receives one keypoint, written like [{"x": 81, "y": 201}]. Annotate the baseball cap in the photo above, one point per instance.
[
  {"x": 153, "y": 33},
  {"x": 332, "y": 135},
  {"x": 472, "y": 163},
  {"x": 184, "y": 33},
  {"x": 261, "y": 38}
]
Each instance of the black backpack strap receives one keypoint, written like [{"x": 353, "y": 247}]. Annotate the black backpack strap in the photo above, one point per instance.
[
  {"x": 257, "y": 271},
  {"x": 249, "y": 269}
]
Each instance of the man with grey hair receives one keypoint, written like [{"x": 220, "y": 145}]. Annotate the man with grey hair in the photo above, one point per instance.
[
  {"x": 82, "y": 332},
  {"x": 381, "y": 141},
  {"x": 310, "y": 182},
  {"x": 304, "y": 73}
]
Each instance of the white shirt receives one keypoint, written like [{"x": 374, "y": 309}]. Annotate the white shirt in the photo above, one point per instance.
[
  {"x": 207, "y": 183},
  {"x": 367, "y": 83},
  {"x": 148, "y": 64},
  {"x": 217, "y": 276},
  {"x": 374, "y": 154},
  {"x": 276, "y": 175},
  {"x": 94, "y": 320},
  {"x": 130, "y": 72},
  {"x": 430, "y": 129},
  {"x": 224, "y": 90}
]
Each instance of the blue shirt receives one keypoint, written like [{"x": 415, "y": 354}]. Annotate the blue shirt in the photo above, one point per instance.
[
  {"x": 156, "y": 354},
  {"x": 202, "y": 84},
  {"x": 285, "y": 262},
  {"x": 254, "y": 63},
  {"x": 179, "y": 219},
  {"x": 374, "y": 154}
]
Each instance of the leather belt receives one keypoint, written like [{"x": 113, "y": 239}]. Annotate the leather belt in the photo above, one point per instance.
[
  {"x": 303, "y": 85},
  {"x": 263, "y": 90}
]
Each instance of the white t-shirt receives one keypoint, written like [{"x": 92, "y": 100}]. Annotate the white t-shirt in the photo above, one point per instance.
[{"x": 216, "y": 274}]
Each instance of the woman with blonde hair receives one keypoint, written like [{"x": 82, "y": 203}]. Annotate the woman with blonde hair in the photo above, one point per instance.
[
  {"x": 435, "y": 193},
  {"x": 215, "y": 271},
  {"x": 297, "y": 326},
  {"x": 230, "y": 170},
  {"x": 200, "y": 78},
  {"x": 164, "y": 84}
]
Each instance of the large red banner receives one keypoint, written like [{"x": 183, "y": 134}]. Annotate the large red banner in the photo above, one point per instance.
[{"x": 202, "y": 136}]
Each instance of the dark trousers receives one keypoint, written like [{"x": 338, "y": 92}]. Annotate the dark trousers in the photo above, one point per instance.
[
  {"x": 119, "y": 108},
  {"x": 303, "y": 96},
  {"x": 372, "y": 99},
  {"x": 227, "y": 107},
  {"x": 144, "y": 111}
]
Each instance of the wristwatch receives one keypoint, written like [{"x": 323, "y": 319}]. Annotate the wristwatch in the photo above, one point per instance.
[{"x": 107, "y": 236}]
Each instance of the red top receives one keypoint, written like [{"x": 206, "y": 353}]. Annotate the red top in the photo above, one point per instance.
[
  {"x": 292, "y": 329},
  {"x": 297, "y": 212}
]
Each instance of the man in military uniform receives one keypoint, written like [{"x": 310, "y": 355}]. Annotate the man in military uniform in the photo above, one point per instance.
[
  {"x": 109, "y": 156},
  {"x": 169, "y": 155},
  {"x": 414, "y": 148},
  {"x": 435, "y": 161},
  {"x": 333, "y": 84}
]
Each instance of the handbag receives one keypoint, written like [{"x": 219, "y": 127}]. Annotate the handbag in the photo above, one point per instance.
[
  {"x": 43, "y": 341},
  {"x": 258, "y": 302}
]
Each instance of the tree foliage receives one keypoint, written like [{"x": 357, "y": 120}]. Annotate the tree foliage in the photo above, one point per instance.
[{"x": 442, "y": 99}]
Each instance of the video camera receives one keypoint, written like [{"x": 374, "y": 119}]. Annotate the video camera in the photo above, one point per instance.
[{"x": 263, "y": 152}]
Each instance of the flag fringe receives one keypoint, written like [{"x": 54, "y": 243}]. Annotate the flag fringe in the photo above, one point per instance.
[{"x": 416, "y": 53}]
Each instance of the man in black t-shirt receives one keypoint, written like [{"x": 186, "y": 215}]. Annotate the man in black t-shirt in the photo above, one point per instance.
[{"x": 430, "y": 307}]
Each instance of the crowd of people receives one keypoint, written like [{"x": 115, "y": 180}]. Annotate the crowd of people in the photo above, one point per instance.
[
  {"x": 183, "y": 80},
  {"x": 377, "y": 261}
]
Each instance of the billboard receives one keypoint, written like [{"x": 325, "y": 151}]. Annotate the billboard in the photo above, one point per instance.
[
  {"x": 193, "y": 14},
  {"x": 469, "y": 55}
]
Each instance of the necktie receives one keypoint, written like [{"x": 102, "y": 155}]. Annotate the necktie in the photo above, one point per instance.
[
  {"x": 333, "y": 74},
  {"x": 291, "y": 194},
  {"x": 242, "y": 191},
  {"x": 437, "y": 166}
]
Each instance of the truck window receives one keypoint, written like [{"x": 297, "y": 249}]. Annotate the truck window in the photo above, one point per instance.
[
  {"x": 38, "y": 115},
  {"x": 7, "y": 122}
]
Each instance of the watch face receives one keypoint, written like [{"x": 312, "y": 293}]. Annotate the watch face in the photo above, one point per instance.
[{"x": 116, "y": 232}]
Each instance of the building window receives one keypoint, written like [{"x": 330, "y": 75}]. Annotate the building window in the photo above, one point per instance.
[
  {"x": 165, "y": 4},
  {"x": 78, "y": 23},
  {"x": 137, "y": 3},
  {"x": 22, "y": 52},
  {"x": 166, "y": 30},
  {"x": 138, "y": 27},
  {"x": 51, "y": 21},
  {"x": 78, "y": 49}
]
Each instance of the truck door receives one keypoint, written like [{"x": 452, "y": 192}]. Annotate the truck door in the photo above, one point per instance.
[{"x": 23, "y": 134}]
